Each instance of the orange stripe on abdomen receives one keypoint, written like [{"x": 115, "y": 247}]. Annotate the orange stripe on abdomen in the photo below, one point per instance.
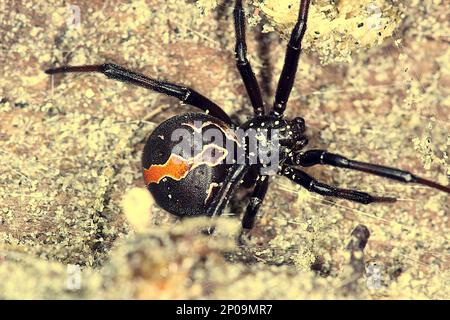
[
  {"x": 178, "y": 168},
  {"x": 175, "y": 167}
]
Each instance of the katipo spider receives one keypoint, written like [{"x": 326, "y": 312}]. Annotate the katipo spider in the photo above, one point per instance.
[{"x": 203, "y": 183}]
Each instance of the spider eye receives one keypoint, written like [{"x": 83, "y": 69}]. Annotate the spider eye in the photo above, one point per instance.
[{"x": 298, "y": 124}]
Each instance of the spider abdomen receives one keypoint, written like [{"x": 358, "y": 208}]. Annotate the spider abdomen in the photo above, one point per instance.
[{"x": 185, "y": 160}]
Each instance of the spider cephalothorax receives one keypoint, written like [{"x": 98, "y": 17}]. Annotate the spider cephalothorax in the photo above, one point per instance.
[{"x": 199, "y": 177}]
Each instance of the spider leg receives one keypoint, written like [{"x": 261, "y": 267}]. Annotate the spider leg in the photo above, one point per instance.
[
  {"x": 242, "y": 63},
  {"x": 294, "y": 48},
  {"x": 227, "y": 189},
  {"x": 250, "y": 177},
  {"x": 313, "y": 185},
  {"x": 256, "y": 200},
  {"x": 184, "y": 94},
  {"x": 313, "y": 157}
]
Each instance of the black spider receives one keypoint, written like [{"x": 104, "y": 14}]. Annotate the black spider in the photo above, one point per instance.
[{"x": 185, "y": 187}]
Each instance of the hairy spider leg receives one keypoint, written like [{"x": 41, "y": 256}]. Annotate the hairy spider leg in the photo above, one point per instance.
[
  {"x": 257, "y": 198},
  {"x": 323, "y": 189},
  {"x": 294, "y": 48},
  {"x": 323, "y": 157},
  {"x": 254, "y": 92},
  {"x": 184, "y": 94},
  {"x": 227, "y": 189},
  {"x": 242, "y": 63}
]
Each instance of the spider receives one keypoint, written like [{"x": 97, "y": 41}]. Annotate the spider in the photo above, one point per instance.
[{"x": 198, "y": 185}]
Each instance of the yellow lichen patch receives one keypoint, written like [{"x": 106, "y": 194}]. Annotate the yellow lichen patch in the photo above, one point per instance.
[
  {"x": 206, "y": 5},
  {"x": 336, "y": 31},
  {"x": 89, "y": 93}
]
